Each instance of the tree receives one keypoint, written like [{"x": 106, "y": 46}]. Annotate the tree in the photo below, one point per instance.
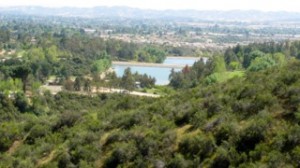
[
  {"x": 176, "y": 79},
  {"x": 21, "y": 102},
  {"x": 251, "y": 56},
  {"x": 97, "y": 81},
  {"x": 87, "y": 85},
  {"x": 68, "y": 84},
  {"x": 201, "y": 69},
  {"x": 261, "y": 63},
  {"x": 100, "y": 66},
  {"x": 41, "y": 69},
  {"x": 230, "y": 56},
  {"x": 128, "y": 80},
  {"x": 4, "y": 36},
  {"x": 156, "y": 54},
  {"x": 218, "y": 64},
  {"x": 52, "y": 54},
  {"x": 35, "y": 54},
  {"x": 186, "y": 70},
  {"x": 280, "y": 59},
  {"x": 114, "y": 81},
  {"x": 77, "y": 84},
  {"x": 145, "y": 80},
  {"x": 293, "y": 51},
  {"x": 234, "y": 65},
  {"x": 22, "y": 72}
]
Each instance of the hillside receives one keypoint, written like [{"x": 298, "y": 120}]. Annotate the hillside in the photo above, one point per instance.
[{"x": 248, "y": 121}]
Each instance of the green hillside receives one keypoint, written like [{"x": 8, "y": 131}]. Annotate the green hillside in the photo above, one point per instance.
[
  {"x": 240, "y": 108},
  {"x": 248, "y": 121}
]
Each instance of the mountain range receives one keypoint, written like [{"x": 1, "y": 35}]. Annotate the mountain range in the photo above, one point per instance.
[{"x": 134, "y": 13}]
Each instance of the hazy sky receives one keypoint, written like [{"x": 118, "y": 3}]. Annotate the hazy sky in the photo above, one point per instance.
[{"x": 264, "y": 5}]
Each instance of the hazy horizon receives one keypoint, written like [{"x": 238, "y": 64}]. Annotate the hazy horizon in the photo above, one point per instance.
[{"x": 268, "y": 5}]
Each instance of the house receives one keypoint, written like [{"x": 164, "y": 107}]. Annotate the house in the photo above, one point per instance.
[{"x": 138, "y": 84}]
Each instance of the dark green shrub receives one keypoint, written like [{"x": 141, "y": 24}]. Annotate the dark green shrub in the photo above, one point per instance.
[
  {"x": 196, "y": 146},
  {"x": 178, "y": 162}
]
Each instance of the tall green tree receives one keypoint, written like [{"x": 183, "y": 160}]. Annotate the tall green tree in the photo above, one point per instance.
[
  {"x": 261, "y": 63},
  {"x": 218, "y": 64},
  {"x": 77, "y": 84},
  {"x": 52, "y": 54},
  {"x": 128, "y": 80},
  {"x": 22, "y": 72}
]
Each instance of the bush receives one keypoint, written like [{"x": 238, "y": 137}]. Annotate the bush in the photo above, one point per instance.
[
  {"x": 21, "y": 102},
  {"x": 221, "y": 159},
  {"x": 249, "y": 138},
  {"x": 198, "y": 145},
  {"x": 9, "y": 132},
  {"x": 37, "y": 131},
  {"x": 178, "y": 162},
  {"x": 121, "y": 154}
]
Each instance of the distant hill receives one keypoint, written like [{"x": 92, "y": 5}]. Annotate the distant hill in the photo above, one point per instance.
[{"x": 134, "y": 13}]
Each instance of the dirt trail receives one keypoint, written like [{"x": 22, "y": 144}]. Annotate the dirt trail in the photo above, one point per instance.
[
  {"x": 14, "y": 147},
  {"x": 55, "y": 89},
  {"x": 46, "y": 159},
  {"x": 16, "y": 144}
]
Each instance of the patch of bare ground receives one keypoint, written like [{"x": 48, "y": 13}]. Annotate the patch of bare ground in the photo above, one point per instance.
[
  {"x": 14, "y": 147},
  {"x": 46, "y": 159}
]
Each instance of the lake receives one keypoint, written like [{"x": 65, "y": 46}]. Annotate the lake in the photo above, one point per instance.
[{"x": 161, "y": 74}]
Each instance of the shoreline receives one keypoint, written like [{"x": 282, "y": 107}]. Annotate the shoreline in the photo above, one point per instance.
[
  {"x": 185, "y": 57},
  {"x": 144, "y": 64}
]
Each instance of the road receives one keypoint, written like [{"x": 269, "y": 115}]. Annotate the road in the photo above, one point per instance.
[{"x": 56, "y": 88}]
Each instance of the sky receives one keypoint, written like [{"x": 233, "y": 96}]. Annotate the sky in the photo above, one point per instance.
[{"x": 263, "y": 5}]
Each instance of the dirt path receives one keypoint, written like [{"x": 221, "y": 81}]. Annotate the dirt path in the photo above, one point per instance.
[
  {"x": 144, "y": 94},
  {"x": 2, "y": 52},
  {"x": 14, "y": 147},
  {"x": 16, "y": 144},
  {"x": 55, "y": 89},
  {"x": 100, "y": 162},
  {"x": 46, "y": 159}
]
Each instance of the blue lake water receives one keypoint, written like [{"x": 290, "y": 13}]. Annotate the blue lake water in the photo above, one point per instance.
[{"x": 161, "y": 74}]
